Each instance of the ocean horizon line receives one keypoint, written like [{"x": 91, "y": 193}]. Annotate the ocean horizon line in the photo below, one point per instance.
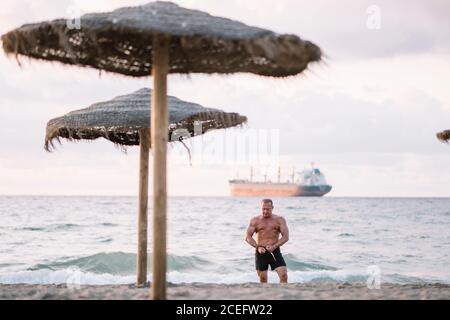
[{"x": 222, "y": 196}]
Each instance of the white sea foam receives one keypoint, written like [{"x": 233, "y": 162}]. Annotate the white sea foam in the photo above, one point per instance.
[{"x": 76, "y": 277}]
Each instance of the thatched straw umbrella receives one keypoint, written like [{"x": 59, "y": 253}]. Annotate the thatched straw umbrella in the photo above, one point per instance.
[
  {"x": 444, "y": 136},
  {"x": 161, "y": 38},
  {"x": 121, "y": 119},
  {"x": 125, "y": 121}
]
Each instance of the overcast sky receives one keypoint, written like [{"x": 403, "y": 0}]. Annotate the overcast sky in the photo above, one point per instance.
[{"x": 367, "y": 116}]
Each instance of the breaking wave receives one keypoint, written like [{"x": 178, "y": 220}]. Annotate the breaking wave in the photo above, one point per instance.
[{"x": 117, "y": 263}]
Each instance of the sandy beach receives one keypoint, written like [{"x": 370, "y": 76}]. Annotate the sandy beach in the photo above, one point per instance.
[{"x": 248, "y": 291}]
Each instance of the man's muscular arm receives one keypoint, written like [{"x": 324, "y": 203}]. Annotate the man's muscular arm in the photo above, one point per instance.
[
  {"x": 284, "y": 233},
  {"x": 249, "y": 234}
]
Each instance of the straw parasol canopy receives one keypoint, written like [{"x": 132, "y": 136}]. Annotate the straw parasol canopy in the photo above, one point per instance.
[
  {"x": 121, "y": 119},
  {"x": 444, "y": 136},
  {"x": 121, "y": 41}
]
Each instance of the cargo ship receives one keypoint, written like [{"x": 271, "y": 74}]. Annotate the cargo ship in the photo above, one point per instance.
[{"x": 307, "y": 183}]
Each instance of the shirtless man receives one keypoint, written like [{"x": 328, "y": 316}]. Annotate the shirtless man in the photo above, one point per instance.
[{"x": 268, "y": 228}]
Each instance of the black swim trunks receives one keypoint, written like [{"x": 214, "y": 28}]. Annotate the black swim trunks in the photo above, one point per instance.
[{"x": 263, "y": 260}]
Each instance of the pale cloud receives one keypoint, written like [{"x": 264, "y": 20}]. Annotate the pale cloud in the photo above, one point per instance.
[{"x": 407, "y": 27}]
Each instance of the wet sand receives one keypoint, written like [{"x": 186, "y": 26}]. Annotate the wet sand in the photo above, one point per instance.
[{"x": 248, "y": 291}]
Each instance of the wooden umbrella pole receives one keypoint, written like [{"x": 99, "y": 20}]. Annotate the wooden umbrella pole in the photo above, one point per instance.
[
  {"x": 144, "y": 143},
  {"x": 159, "y": 133}
]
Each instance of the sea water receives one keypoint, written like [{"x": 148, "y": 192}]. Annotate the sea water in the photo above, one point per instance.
[{"x": 92, "y": 240}]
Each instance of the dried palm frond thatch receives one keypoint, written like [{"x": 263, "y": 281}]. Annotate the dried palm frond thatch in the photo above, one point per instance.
[
  {"x": 121, "y": 41},
  {"x": 444, "y": 136},
  {"x": 120, "y": 120}
]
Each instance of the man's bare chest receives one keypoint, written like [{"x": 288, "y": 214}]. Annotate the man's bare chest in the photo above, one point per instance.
[{"x": 264, "y": 227}]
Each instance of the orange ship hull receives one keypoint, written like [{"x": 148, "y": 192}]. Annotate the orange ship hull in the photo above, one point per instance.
[{"x": 254, "y": 189}]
